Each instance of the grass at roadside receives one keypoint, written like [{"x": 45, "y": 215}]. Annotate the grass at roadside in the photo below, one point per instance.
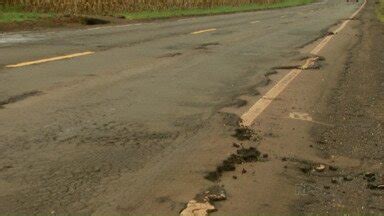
[
  {"x": 380, "y": 10},
  {"x": 212, "y": 11},
  {"x": 14, "y": 14}
]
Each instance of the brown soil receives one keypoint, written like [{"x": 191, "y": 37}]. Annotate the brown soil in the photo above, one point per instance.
[{"x": 355, "y": 108}]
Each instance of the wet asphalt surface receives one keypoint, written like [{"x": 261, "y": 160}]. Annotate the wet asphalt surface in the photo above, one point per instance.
[{"x": 127, "y": 129}]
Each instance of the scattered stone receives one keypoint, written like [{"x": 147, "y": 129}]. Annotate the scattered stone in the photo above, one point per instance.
[
  {"x": 243, "y": 133},
  {"x": 348, "y": 178},
  {"x": 227, "y": 165},
  {"x": 236, "y": 145},
  {"x": 335, "y": 180},
  {"x": 327, "y": 187},
  {"x": 284, "y": 159},
  {"x": 321, "y": 142},
  {"x": 333, "y": 168},
  {"x": 369, "y": 175},
  {"x": 320, "y": 168},
  {"x": 248, "y": 154},
  {"x": 305, "y": 168},
  {"x": 243, "y": 171},
  {"x": 213, "y": 194},
  {"x": 234, "y": 177},
  {"x": 265, "y": 155},
  {"x": 195, "y": 208},
  {"x": 372, "y": 186},
  {"x": 314, "y": 63},
  {"x": 371, "y": 179},
  {"x": 213, "y": 176},
  {"x": 243, "y": 155},
  {"x": 285, "y": 167}
]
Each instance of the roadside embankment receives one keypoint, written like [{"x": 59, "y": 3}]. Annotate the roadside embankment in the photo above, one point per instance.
[
  {"x": 35, "y": 11},
  {"x": 108, "y": 7},
  {"x": 16, "y": 14}
]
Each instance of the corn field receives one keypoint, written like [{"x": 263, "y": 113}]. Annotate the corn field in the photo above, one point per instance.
[{"x": 115, "y": 6}]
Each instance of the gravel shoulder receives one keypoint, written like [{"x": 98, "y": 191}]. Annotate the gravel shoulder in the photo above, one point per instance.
[{"x": 355, "y": 108}]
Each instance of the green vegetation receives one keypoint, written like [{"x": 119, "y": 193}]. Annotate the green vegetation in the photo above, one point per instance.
[
  {"x": 15, "y": 14},
  {"x": 380, "y": 10},
  {"x": 213, "y": 10}
]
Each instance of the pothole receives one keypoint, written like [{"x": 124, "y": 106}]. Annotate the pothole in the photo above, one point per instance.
[
  {"x": 170, "y": 55},
  {"x": 20, "y": 97},
  {"x": 238, "y": 103},
  {"x": 93, "y": 21},
  {"x": 312, "y": 63},
  {"x": 287, "y": 67},
  {"x": 205, "y": 46}
]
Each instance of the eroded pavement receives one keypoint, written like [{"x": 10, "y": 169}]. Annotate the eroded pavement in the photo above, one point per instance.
[{"x": 151, "y": 120}]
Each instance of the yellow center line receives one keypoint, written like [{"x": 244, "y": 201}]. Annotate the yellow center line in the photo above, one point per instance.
[
  {"x": 250, "y": 116},
  {"x": 50, "y": 59},
  {"x": 204, "y": 31}
]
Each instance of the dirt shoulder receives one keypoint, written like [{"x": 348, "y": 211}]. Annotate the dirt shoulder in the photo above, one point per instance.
[{"x": 355, "y": 109}]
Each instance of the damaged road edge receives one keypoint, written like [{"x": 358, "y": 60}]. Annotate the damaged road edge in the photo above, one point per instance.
[{"x": 203, "y": 203}]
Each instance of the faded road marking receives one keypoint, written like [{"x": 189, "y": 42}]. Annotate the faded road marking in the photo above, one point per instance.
[
  {"x": 250, "y": 116},
  {"x": 306, "y": 117},
  {"x": 50, "y": 59},
  {"x": 254, "y": 22},
  {"x": 204, "y": 31},
  {"x": 300, "y": 116}
]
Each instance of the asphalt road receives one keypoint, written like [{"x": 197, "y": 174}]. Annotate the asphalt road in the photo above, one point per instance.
[{"x": 134, "y": 126}]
